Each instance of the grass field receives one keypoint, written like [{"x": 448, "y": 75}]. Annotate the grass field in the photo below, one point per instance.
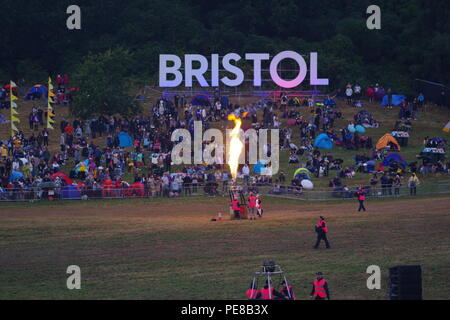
[{"x": 169, "y": 249}]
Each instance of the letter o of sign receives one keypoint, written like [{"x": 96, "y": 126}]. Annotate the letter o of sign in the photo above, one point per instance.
[{"x": 288, "y": 83}]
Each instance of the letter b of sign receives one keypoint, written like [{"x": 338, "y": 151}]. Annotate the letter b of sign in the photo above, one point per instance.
[
  {"x": 74, "y": 20},
  {"x": 374, "y": 21},
  {"x": 374, "y": 281},
  {"x": 74, "y": 280}
]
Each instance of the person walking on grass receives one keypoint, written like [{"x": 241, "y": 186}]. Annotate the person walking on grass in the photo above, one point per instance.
[
  {"x": 360, "y": 195},
  {"x": 320, "y": 289},
  {"x": 321, "y": 230}
]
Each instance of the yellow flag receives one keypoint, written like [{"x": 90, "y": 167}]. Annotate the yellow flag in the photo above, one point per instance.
[
  {"x": 11, "y": 86},
  {"x": 50, "y": 100},
  {"x": 50, "y": 86},
  {"x": 13, "y": 105}
]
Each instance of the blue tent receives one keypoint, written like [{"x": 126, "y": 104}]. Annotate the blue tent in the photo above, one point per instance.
[
  {"x": 70, "y": 192},
  {"x": 259, "y": 166},
  {"x": 396, "y": 100},
  {"x": 15, "y": 175},
  {"x": 394, "y": 157},
  {"x": 323, "y": 141},
  {"x": 329, "y": 102},
  {"x": 37, "y": 88},
  {"x": 125, "y": 140}
]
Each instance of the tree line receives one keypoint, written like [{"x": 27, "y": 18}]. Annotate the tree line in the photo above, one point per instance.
[{"x": 120, "y": 41}]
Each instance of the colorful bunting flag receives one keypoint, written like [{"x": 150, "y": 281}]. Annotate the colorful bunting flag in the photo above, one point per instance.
[
  {"x": 50, "y": 100},
  {"x": 13, "y": 108}
]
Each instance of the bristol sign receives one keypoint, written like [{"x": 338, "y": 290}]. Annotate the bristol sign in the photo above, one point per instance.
[{"x": 170, "y": 64}]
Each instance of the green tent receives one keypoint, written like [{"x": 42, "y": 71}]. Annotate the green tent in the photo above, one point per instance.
[{"x": 304, "y": 171}]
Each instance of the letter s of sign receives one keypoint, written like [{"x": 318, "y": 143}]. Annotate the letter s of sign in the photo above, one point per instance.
[
  {"x": 374, "y": 281},
  {"x": 74, "y": 280},
  {"x": 374, "y": 21},
  {"x": 74, "y": 20}
]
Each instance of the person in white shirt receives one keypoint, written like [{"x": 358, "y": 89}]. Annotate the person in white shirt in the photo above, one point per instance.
[
  {"x": 15, "y": 165},
  {"x": 349, "y": 94},
  {"x": 204, "y": 114},
  {"x": 246, "y": 173},
  {"x": 161, "y": 109},
  {"x": 79, "y": 132},
  {"x": 55, "y": 166}
]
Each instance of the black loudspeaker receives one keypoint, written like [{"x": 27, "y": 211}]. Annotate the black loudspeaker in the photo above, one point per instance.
[{"x": 405, "y": 283}]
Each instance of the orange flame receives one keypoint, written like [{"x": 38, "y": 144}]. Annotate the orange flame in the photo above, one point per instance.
[{"x": 236, "y": 145}]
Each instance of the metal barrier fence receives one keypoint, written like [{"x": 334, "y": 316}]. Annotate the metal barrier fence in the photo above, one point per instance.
[
  {"x": 73, "y": 192},
  {"x": 350, "y": 193},
  {"x": 213, "y": 189}
]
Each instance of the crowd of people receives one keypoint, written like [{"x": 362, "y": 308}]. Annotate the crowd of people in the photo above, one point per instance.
[{"x": 148, "y": 160}]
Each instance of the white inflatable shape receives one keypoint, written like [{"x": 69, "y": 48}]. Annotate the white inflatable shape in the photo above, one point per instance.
[{"x": 308, "y": 185}]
